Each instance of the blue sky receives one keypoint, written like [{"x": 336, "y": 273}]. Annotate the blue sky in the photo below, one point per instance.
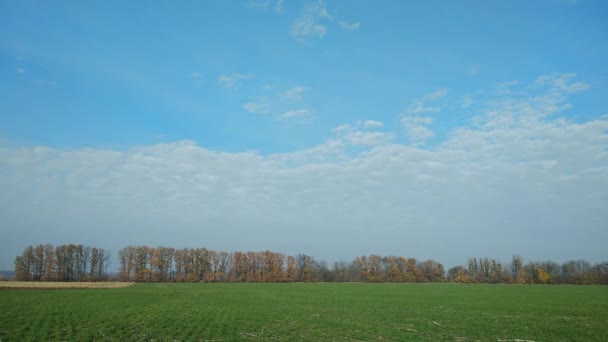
[{"x": 436, "y": 110}]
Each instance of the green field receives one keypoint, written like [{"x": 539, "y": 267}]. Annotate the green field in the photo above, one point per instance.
[{"x": 322, "y": 311}]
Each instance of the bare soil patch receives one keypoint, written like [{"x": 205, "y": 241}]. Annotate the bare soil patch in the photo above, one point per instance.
[{"x": 14, "y": 285}]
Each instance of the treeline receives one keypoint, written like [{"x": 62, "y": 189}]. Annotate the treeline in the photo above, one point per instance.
[
  {"x": 61, "y": 263},
  {"x": 143, "y": 263},
  {"x": 166, "y": 264},
  {"x": 484, "y": 270}
]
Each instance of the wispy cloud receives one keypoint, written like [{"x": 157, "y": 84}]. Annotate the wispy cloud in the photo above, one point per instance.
[
  {"x": 310, "y": 22},
  {"x": 359, "y": 134},
  {"x": 266, "y": 5},
  {"x": 416, "y": 128},
  {"x": 368, "y": 138},
  {"x": 342, "y": 128},
  {"x": 294, "y": 93},
  {"x": 561, "y": 82},
  {"x": 231, "y": 81},
  {"x": 372, "y": 124},
  {"x": 257, "y": 107},
  {"x": 436, "y": 95},
  {"x": 20, "y": 70},
  {"x": 360, "y": 124},
  {"x": 295, "y": 113},
  {"x": 279, "y": 102},
  {"x": 349, "y": 26},
  {"x": 420, "y": 106},
  {"x": 506, "y": 87},
  {"x": 196, "y": 76},
  {"x": 314, "y": 20}
]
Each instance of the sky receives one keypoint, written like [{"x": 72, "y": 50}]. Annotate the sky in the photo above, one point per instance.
[{"x": 427, "y": 129}]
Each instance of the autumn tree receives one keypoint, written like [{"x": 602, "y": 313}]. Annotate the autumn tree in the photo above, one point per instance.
[
  {"x": 127, "y": 261},
  {"x": 517, "y": 269},
  {"x": 47, "y": 263},
  {"x": 458, "y": 274},
  {"x": 432, "y": 271},
  {"x": 49, "y": 260},
  {"x": 240, "y": 267},
  {"x": 290, "y": 273},
  {"x": 305, "y": 265}
]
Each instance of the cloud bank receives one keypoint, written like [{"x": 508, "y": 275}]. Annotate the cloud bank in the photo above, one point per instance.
[{"x": 519, "y": 179}]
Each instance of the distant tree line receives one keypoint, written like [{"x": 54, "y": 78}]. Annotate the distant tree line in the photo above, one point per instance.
[
  {"x": 61, "y": 263},
  {"x": 143, "y": 263},
  {"x": 484, "y": 270},
  {"x": 166, "y": 264}
]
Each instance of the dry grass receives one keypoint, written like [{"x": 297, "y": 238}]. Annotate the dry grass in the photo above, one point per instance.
[{"x": 61, "y": 285}]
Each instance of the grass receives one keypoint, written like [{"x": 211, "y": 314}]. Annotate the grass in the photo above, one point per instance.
[{"x": 324, "y": 311}]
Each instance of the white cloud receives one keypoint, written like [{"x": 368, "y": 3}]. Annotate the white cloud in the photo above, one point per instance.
[
  {"x": 331, "y": 150},
  {"x": 505, "y": 88},
  {"x": 561, "y": 82},
  {"x": 418, "y": 120},
  {"x": 293, "y": 94},
  {"x": 231, "y": 81},
  {"x": 350, "y": 26},
  {"x": 372, "y": 124},
  {"x": 420, "y": 106},
  {"x": 368, "y": 138},
  {"x": 295, "y": 113},
  {"x": 277, "y": 103},
  {"x": 306, "y": 27},
  {"x": 415, "y": 128},
  {"x": 353, "y": 135},
  {"x": 20, "y": 70},
  {"x": 518, "y": 175},
  {"x": 366, "y": 124},
  {"x": 314, "y": 20},
  {"x": 342, "y": 128},
  {"x": 257, "y": 107},
  {"x": 436, "y": 95},
  {"x": 276, "y": 5},
  {"x": 196, "y": 75},
  {"x": 309, "y": 23}
]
